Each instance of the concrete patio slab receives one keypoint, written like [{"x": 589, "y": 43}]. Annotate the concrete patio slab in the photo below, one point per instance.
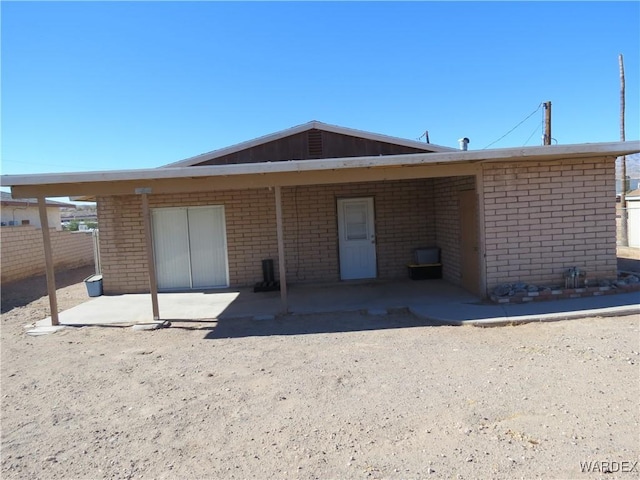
[
  {"x": 489, "y": 314},
  {"x": 434, "y": 301},
  {"x": 132, "y": 309}
]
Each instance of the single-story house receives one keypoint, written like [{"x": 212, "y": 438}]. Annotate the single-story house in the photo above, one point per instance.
[
  {"x": 24, "y": 211},
  {"x": 331, "y": 204}
]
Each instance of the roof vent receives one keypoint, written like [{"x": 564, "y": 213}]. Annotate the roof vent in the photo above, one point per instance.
[
  {"x": 314, "y": 141},
  {"x": 463, "y": 143}
]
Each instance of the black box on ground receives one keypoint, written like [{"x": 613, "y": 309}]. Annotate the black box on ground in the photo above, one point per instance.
[{"x": 425, "y": 272}]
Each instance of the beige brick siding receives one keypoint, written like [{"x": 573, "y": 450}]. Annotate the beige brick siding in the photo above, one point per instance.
[
  {"x": 539, "y": 219},
  {"x": 542, "y": 218},
  {"x": 122, "y": 245},
  {"x": 23, "y": 251},
  {"x": 251, "y": 235},
  {"x": 447, "y": 222},
  {"x": 404, "y": 221}
]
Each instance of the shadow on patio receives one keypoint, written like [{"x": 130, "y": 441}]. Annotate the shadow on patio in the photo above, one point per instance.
[{"x": 310, "y": 324}]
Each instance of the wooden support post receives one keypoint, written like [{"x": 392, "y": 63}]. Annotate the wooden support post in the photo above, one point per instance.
[
  {"x": 624, "y": 221},
  {"x": 547, "y": 123},
  {"x": 48, "y": 260},
  {"x": 482, "y": 261},
  {"x": 153, "y": 282},
  {"x": 281, "y": 258}
]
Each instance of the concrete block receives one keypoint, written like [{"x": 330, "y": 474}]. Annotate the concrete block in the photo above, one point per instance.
[{"x": 45, "y": 330}]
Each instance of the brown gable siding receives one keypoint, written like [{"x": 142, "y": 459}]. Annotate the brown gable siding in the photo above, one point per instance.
[{"x": 312, "y": 144}]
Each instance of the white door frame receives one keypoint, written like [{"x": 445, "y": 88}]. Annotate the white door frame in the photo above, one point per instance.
[
  {"x": 357, "y": 254},
  {"x": 187, "y": 241}
]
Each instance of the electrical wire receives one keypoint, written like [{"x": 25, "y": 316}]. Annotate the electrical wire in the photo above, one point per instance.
[
  {"x": 541, "y": 126},
  {"x": 526, "y": 118},
  {"x": 534, "y": 131}
]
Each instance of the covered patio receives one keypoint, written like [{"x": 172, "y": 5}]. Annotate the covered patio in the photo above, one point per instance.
[{"x": 146, "y": 185}]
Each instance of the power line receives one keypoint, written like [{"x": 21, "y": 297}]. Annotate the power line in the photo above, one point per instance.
[
  {"x": 541, "y": 127},
  {"x": 529, "y": 138},
  {"x": 526, "y": 118},
  {"x": 425, "y": 135}
]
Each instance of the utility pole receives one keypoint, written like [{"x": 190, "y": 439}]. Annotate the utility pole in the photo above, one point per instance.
[
  {"x": 547, "y": 123},
  {"x": 624, "y": 232}
]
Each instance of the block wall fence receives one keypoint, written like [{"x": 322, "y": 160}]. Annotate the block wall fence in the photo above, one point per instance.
[{"x": 22, "y": 251}]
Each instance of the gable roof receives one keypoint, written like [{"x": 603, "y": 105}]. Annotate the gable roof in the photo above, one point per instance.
[
  {"x": 313, "y": 125},
  {"x": 7, "y": 199}
]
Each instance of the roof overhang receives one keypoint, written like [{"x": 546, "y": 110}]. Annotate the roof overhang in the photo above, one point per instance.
[
  {"x": 296, "y": 172},
  {"x": 33, "y": 202}
]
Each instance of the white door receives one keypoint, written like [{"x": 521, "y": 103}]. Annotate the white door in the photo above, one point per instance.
[
  {"x": 190, "y": 247},
  {"x": 357, "y": 238},
  {"x": 207, "y": 244},
  {"x": 633, "y": 222},
  {"x": 171, "y": 247}
]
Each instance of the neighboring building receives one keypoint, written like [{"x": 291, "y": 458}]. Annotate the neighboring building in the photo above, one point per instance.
[
  {"x": 331, "y": 204},
  {"x": 633, "y": 217},
  {"x": 632, "y": 184},
  {"x": 82, "y": 214},
  {"x": 24, "y": 211}
]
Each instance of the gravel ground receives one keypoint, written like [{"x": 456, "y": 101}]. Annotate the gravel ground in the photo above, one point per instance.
[{"x": 368, "y": 397}]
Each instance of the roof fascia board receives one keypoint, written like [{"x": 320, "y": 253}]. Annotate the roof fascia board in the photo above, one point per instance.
[
  {"x": 33, "y": 203},
  {"x": 612, "y": 149},
  {"x": 254, "y": 181}
]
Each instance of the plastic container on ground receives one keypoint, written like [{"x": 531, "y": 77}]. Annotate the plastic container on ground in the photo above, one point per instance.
[{"x": 94, "y": 285}]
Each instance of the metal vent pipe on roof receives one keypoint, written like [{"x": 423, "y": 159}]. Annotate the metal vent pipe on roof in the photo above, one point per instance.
[{"x": 463, "y": 143}]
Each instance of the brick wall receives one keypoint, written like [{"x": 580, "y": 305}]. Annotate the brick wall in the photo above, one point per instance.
[
  {"x": 251, "y": 235},
  {"x": 23, "y": 251},
  {"x": 404, "y": 221},
  {"x": 542, "y": 218},
  {"x": 447, "y": 222},
  {"x": 122, "y": 245}
]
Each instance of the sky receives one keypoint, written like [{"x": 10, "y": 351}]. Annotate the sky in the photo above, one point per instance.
[{"x": 125, "y": 85}]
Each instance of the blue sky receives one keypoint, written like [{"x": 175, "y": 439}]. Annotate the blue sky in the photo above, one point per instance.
[{"x": 118, "y": 85}]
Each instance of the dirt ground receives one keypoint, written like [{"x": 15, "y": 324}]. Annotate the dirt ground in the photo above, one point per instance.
[{"x": 360, "y": 397}]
